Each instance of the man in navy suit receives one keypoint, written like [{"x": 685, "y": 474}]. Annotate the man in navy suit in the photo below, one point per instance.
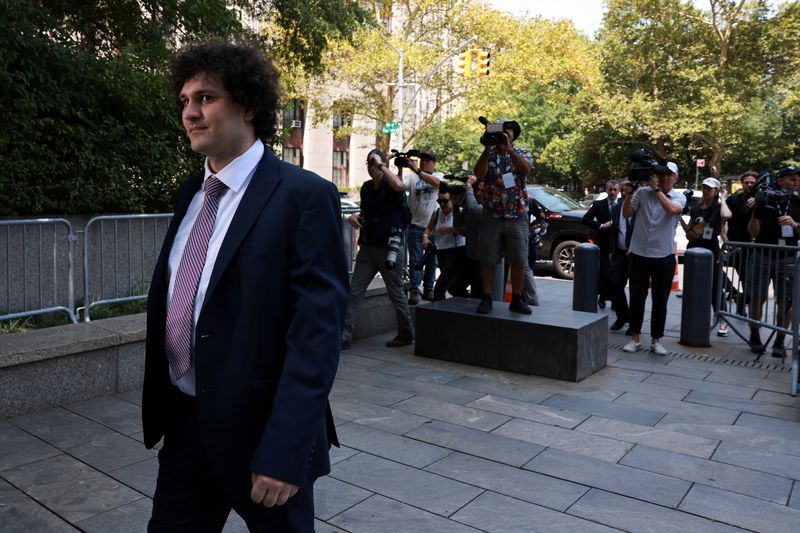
[
  {"x": 620, "y": 242},
  {"x": 245, "y": 312},
  {"x": 598, "y": 217}
]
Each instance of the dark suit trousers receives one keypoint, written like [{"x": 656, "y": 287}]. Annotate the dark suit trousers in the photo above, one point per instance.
[
  {"x": 642, "y": 270},
  {"x": 618, "y": 276},
  {"x": 188, "y": 499}
]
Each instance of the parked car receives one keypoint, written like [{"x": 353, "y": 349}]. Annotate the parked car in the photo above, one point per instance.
[
  {"x": 565, "y": 228},
  {"x": 587, "y": 200}
]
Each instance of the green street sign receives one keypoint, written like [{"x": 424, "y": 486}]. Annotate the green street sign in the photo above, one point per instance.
[
  {"x": 392, "y": 126},
  {"x": 386, "y": 129}
]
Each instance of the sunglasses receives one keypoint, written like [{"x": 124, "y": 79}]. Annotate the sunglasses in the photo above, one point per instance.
[{"x": 442, "y": 202}]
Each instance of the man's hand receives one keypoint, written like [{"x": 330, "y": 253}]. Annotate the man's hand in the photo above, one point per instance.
[
  {"x": 786, "y": 220},
  {"x": 654, "y": 183},
  {"x": 506, "y": 146},
  {"x": 270, "y": 492},
  {"x": 751, "y": 202},
  {"x": 375, "y": 159},
  {"x": 471, "y": 180},
  {"x": 353, "y": 220},
  {"x": 606, "y": 225}
]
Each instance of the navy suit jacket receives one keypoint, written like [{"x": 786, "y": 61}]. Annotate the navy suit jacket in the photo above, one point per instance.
[
  {"x": 267, "y": 338},
  {"x": 615, "y": 212},
  {"x": 598, "y": 214}
]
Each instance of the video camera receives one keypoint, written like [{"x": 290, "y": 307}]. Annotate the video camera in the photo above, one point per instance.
[
  {"x": 643, "y": 165},
  {"x": 766, "y": 191},
  {"x": 458, "y": 177},
  {"x": 401, "y": 159},
  {"x": 494, "y": 131}
]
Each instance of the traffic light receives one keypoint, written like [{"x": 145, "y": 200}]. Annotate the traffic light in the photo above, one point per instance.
[
  {"x": 463, "y": 64},
  {"x": 484, "y": 57}
]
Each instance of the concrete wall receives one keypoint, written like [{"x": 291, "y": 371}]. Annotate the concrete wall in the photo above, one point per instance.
[{"x": 67, "y": 364}]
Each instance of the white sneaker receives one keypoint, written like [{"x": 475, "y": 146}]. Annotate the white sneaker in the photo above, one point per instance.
[
  {"x": 632, "y": 346},
  {"x": 658, "y": 349}
]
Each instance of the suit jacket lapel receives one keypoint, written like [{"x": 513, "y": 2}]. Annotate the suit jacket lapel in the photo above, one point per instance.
[{"x": 262, "y": 185}]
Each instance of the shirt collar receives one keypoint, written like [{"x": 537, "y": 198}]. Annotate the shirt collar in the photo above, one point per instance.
[{"x": 237, "y": 171}]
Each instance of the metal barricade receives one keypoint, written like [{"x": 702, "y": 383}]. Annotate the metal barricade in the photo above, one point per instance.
[
  {"x": 350, "y": 237},
  {"x": 119, "y": 255},
  {"x": 35, "y": 279},
  {"x": 759, "y": 286}
]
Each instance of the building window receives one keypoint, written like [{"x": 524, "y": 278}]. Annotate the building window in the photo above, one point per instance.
[
  {"x": 293, "y": 156},
  {"x": 341, "y": 161}
]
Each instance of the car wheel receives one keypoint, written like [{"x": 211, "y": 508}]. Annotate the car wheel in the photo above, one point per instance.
[{"x": 564, "y": 259}]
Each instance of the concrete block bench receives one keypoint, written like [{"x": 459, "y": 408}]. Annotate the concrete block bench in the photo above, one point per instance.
[{"x": 554, "y": 343}]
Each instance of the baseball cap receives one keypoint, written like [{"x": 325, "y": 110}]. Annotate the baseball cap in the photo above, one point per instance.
[
  {"x": 427, "y": 154},
  {"x": 712, "y": 182},
  {"x": 673, "y": 168}
]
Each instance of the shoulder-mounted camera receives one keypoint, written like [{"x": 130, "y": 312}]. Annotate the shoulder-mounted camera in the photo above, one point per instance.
[
  {"x": 643, "y": 165},
  {"x": 401, "y": 159},
  {"x": 494, "y": 131}
]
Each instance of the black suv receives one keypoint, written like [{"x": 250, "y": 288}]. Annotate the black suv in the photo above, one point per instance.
[{"x": 565, "y": 228}]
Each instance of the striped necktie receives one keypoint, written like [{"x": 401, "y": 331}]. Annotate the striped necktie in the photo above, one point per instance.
[{"x": 180, "y": 313}]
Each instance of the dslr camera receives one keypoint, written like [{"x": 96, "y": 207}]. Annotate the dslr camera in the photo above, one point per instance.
[
  {"x": 494, "y": 131},
  {"x": 643, "y": 165},
  {"x": 401, "y": 159},
  {"x": 393, "y": 249}
]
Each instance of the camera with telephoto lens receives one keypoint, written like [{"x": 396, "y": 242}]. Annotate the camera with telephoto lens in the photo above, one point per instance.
[
  {"x": 643, "y": 165},
  {"x": 401, "y": 159},
  {"x": 494, "y": 131},
  {"x": 394, "y": 245},
  {"x": 767, "y": 193}
]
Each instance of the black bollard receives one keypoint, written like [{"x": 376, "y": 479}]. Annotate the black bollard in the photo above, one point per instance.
[
  {"x": 586, "y": 278},
  {"x": 696, "y": 305}
]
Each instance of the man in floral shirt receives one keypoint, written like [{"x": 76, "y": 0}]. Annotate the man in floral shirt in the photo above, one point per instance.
[{"x": 504, "y": 222}]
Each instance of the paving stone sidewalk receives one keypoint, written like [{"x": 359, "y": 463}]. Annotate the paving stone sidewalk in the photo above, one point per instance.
[{"x": 688, "y": 442}]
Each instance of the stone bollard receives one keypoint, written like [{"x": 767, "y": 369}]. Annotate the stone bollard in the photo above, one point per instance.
[
  {"x": 586, "y": 278},
  {"x": 698, "y": 264}
]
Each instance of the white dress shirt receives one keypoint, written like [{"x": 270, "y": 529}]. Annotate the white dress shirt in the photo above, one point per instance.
[{"x": 236, "y": 175}]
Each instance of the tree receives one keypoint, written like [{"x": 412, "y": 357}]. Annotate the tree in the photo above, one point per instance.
[
  {"x": 684, "y": 82},
  {"x": 88, "y": 123}
]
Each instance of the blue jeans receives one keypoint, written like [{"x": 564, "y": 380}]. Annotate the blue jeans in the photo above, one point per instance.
[{"x": 415, "y": 253}]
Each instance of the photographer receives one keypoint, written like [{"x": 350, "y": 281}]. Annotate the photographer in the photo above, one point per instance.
[
  {"x": 381, "y": 223},
  {"x": 504, "y": 222},
  {"x": 774, "y": 220},
  {"x": 471, "y": 213},
  {"x": 422, "y": 184},
  {"x": 741, "y": 205},
  {"x": 657, "y": 207},
  {"x": 449, "y": 239},
  {"x": 706, "y": 223}
]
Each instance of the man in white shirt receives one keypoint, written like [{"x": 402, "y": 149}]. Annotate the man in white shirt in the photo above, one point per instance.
[
  {"x": 245, "y": 312},
  {"x": 422, "y": 185},
  {"x": 652, "y": 251}
]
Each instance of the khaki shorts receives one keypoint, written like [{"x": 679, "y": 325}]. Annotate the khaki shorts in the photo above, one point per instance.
[{"x": 500, "y": 236}]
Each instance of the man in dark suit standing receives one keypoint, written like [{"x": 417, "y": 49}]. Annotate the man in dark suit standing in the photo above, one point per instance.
[
  {"x": 598, "y": 217},
  {"x": 619, "y": 243},
  {"x": 245, "y": 312}
]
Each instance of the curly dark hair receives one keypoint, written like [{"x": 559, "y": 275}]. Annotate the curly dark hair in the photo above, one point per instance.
[{"x": 246, "y": 73}]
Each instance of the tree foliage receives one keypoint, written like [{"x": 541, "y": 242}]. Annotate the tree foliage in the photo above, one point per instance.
[{"x": 89, "y": 125}]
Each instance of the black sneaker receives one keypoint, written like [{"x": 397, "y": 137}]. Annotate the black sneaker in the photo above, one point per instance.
[
  {"x": 485, "y": 306},
  {"x": 617, "y": 325},
  {"x": 518, "y": 306},
  {"x": 399, "y": 341},
  {"x": 601, "y": 303}
]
